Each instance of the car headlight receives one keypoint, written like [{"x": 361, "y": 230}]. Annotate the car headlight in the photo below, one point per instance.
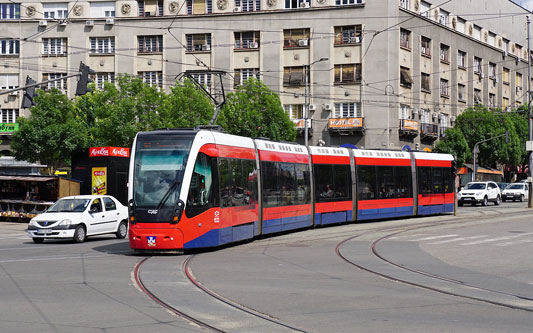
[
  {"x": 33, "y": 223},
  {"x": 479, "y": 194},
  {"x": 65, "y": 222},
  {"x": 459, "y": 195}
]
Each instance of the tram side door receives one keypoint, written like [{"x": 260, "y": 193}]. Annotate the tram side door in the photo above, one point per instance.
[{"x": 439, "y": 192}]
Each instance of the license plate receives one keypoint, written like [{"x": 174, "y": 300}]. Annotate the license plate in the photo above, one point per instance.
[
  {"x": 44, "y": 231},
  {"x": 466, "y": 199}
]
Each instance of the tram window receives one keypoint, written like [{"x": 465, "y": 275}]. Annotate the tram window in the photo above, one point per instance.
[
  {"x": 437, "y": 180},
  {"x": 288, "y": 184},
  {"x": 225, "y": 182},
  {"x": 366, "y": 182},
  {"x": 271, "y": 184},
  {"x": 403, "y": 182},
  {"x": 237, "y": 183},
  {"x": 424, "y": 180},
  {"x": 324, "y": 182},
  {"x": 386, "y": 182},
  {"x": 343, "y": 183},
  {"x": 203, "y": 193},
  {"x": 303, "y": 184},
  {"x": 249, "y": 172},
  {"x": 448, "y": 180}
]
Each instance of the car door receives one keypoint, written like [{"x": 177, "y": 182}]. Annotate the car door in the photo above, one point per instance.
[
  {"x": 493, "y": 191},
  {"x": 96, "y": 218},
  {"x": 112, "y": 215}
]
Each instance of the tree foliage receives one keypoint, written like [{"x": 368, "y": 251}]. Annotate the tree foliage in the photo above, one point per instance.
[
  {"x": 455, "y": 143},
  {"x": 253, "y": 110},
  {"x": 51, "y": 134}
]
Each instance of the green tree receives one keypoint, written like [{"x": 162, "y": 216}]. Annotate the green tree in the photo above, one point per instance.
[
  {"x": 519, "y": 119},
  {"x": 253, "y": 110},
  {"x": 185, "y": 106},
  {"x": 51, "y": 133},
  {"x": 455, "y": 143}
]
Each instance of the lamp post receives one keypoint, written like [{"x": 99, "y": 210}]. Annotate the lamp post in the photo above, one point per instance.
[
  {"x": 529, "y": 120},
  {"x": 307, "y": 69}
]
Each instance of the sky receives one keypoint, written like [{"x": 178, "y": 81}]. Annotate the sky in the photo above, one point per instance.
[{"x": 525, "y": 3}]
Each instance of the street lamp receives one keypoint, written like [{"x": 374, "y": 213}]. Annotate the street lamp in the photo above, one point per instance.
[{"x": 306, "y": 111}]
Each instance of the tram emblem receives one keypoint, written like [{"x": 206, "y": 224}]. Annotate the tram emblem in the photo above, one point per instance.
[{"x": 151, "y": 240}]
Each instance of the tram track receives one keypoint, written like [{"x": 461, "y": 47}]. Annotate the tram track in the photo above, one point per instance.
[{"x": 397, "y": 231}]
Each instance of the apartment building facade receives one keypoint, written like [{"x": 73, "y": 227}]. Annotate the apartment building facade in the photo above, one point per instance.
[{"x": 379, "y": 73}]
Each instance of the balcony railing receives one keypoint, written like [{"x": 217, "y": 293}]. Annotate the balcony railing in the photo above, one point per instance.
[
  {"x": 300, "y": 126},
  {"x": 409, "y": 128},
  {"x": 429, "y": 131}
]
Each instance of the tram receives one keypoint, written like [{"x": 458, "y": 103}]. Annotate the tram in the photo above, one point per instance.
[{"x": 200, "y": 188}]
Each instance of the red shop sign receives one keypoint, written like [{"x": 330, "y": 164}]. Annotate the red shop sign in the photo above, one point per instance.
[{"x": 109, "y": 151}]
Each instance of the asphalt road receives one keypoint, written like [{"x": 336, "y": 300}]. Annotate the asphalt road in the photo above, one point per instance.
[{"x": 469, "y": 273}]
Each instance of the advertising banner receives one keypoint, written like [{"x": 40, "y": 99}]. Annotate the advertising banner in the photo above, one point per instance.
[
  {"x": 99, "y": 180},
  {"x": 9, "y": 127},
  {"x": 109, "y": 151},
  {"x": 345, "y": 122}
]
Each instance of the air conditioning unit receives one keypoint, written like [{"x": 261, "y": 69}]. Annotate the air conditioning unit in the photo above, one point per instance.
[
  {"x": 206, "y": 47},
  {"x": 481, "y": 75},
  {"x": 312, "y": 107},
  {"x": 14, "y": 93},
  {"x": 149, "y": 14},
  {"x": 496, "y": 79},
  {"x": 304, "y": 5},
  {"x": 505, "y": 53},
  {"x": 452, "y": 118},
  {"x": 237, "y": 9},
  {"x": 435, "y": 115},
  {"x": 110, "y": 21},
  {"x": 63, "y": 23},
  {"x": 89, "y": 23},
  {"x": 303, "y": 42},
  {"x": 254, "y": 45},
  {"x": 328, "y": 107},
  {"x": 356, "y": 39},
  {"x": 43, "y": 23}
]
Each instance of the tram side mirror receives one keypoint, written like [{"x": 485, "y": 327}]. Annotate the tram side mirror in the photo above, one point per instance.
[{"x": 180, "y": 206}]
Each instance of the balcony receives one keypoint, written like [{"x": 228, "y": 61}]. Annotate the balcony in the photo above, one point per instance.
[
  {"x": 429, "y": 132},
  {"x": 409, "y": 128},
  {"x": 299, "y": 124},
  {"x": 346, "y": 126},
  {"x": 442, "y": 131}
]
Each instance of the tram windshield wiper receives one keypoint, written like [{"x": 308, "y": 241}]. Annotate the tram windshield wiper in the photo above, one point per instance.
[{"x": 174, "y": 184}]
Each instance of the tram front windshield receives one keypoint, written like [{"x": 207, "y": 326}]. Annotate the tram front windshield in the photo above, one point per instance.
[{"x": 160, "y": 161}]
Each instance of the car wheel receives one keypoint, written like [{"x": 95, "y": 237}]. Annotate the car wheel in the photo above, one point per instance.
[
  {"x": 38, "y": 240},
  {"x": 122, "y": 230},
  {"x": 80, "y": 234},
  {"x": 521, "y": 198},
  {"x": 497, "y": 202},
  {"x": 485, "y": 201}
]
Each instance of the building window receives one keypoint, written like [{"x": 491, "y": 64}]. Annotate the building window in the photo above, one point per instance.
[
  {"x": 347, "y": 73},
  {"x": 248, "y": 5},
  {"x": 405, "y": 77},
  {"x": 404, "y": 111},
  {"x": 54, "y": 46},
  {"x": 295, "y": 111},
  {"x": 405, "y": 38},
  {"x": 102, "y": 9},
  {"x": 518, "y": 80},
  {"x": 198, "y": 43},
  {"x": 443, "y": 17},
  {"x": 518, "y": 50},
  {"x": 102, "y": 45},
  {"x": 293, "y": 4},
  {"x": 9, "y": 47},
  {"x": 101, "y": 78},
  {"x": 477, "y": 65},
  {"x": 195, "y": 7},
  {"x": 59, "y": 84},
  {"x": 461, "y": 92},
  {"x": 9, "y": 81},
  {"x": 247, "y": 40},
  {"x": 348, "y": 34},
  {"x": 293, "y": 76},
  {"x": 445, "y": 53},
  {"x": 424, "y": 8},
  {"x": 296, "y": 38},
  {"x": 444, "y": 88},
  {"x": 505, "y": 102},
  {"x": 150, "y": 7},
  {"x": 426, "y": 83},
  {"x": 477, "y": 32},
  {"x": 425, "y": 117},
  {"x": 461, "y": 59},
  {"x": 9, "y": 11},
  {"x": 9, "y": 116},
  {"x": 444, "y": 121},
  {"x": 404, "y": 4},
  {"x": 150, "y": 44},
  {"x": 477, "y": 96},
  {"x": 55, "y": 10},
  {"x": 492, "y": 70},
  {"x": 153, "y": 79},
  {"x": 242, "y": 75},
  {"x": 505, "y": 75},
  {"x": 347, "y": 2},
  {"x": 203, "y": 79},
  {"x": 461, "y": 25},
  {"x": 492, "y": 100},
  {"x": 348, "y": 110},
  {"x": 425, "y": 46}
]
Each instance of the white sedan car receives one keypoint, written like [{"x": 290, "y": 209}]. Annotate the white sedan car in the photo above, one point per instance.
[
  {"x": 77, "y": 217},
  {"x": 516, "y": 191}
]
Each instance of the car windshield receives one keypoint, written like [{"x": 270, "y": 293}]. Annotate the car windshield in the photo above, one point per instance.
[
  {"x": 515, "y": 187},
  {"x": 159, "y": 164},
  {"x": 69, "y": 205},
  {"x": 476, "y": 186}
]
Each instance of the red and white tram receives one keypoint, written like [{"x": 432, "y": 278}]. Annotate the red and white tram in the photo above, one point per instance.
[{"x": 197, "y": 188}]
